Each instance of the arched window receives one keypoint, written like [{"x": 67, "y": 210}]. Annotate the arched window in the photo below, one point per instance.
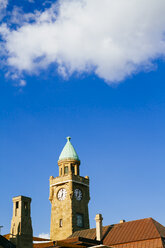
[{"x": 66, "y": 170}]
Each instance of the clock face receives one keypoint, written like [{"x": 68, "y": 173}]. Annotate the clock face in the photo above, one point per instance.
[
  {"x": 78, "y": 194},
  {"x": 61, "y": 195}
]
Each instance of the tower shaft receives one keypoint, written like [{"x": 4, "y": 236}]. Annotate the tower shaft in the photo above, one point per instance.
[
  {"x": 21, "y": 232},
  {"x": 69, "y": 196}
]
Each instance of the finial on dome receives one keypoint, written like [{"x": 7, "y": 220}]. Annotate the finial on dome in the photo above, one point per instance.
[{"x": 68, "y": 138}]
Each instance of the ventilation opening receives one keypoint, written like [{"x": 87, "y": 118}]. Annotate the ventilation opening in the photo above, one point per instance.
[
  {"x": 60, "y": 223},
  {"x": 66, "y": 170},
  {"x": 26, "y": 208}
]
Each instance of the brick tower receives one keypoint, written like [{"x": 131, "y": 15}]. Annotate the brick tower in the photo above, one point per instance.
[{"x": 69, "y": 196}]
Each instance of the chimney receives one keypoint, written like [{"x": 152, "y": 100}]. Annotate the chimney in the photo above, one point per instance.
[
  {"x": 98, "y": 220},
  {"x": 122, "y": 221}
]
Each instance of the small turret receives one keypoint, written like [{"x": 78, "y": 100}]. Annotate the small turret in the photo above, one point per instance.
[{"x": 68, "y": 160}]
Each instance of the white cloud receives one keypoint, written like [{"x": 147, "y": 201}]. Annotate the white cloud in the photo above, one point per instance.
[
  {"x": 19, "y": 83},
  {"x": 112, "y": 38},
  {"x": 19, "y": 17},
  {"x": 22, "y": 83},
  {"x": 3, "y": 5},
  {"x": 44, "y": 235}
]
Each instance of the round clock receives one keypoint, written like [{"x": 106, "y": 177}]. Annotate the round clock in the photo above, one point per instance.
[
  {"x": 78, "y": 194},
  {"x": 61, "y": 194}
]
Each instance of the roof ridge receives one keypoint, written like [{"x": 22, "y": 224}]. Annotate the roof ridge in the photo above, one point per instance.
[
  {"x": 127, "y": 222},
  {"x": 133, "y": 221},
  {"x": 116, "y": 224},
  {"x": 156, "y": 224},
  {"x": 107, "y": 231}
]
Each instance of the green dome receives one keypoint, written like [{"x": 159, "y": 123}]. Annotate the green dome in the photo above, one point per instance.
[{"x": 68, "y": 151}]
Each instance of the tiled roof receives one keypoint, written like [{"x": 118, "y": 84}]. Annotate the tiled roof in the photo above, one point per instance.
[
  {"x": 132, "y": 231},
  {"x": 7, "y": 236},
  {"x": 160, "y": 228},
  {"x": 89, "y": 233},
  {"x": 151, "y": 243}
]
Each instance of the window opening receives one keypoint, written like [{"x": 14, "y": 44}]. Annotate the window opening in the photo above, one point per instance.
[
  {"x": 80, "y": 222},
  {"x": 72, "y": 168},
  {"x": 66, "y": 170}
]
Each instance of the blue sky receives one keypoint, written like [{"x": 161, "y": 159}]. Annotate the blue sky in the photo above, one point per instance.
[{"x": 113, "y": 108}]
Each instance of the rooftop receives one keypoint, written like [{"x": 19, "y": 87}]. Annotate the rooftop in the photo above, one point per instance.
[
  {"x": 68, "y": 151},
  {"x": 127, "y": 232}
]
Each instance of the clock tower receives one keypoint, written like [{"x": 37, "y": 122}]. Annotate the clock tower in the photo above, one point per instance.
[{"x": 69, "y": 196}]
